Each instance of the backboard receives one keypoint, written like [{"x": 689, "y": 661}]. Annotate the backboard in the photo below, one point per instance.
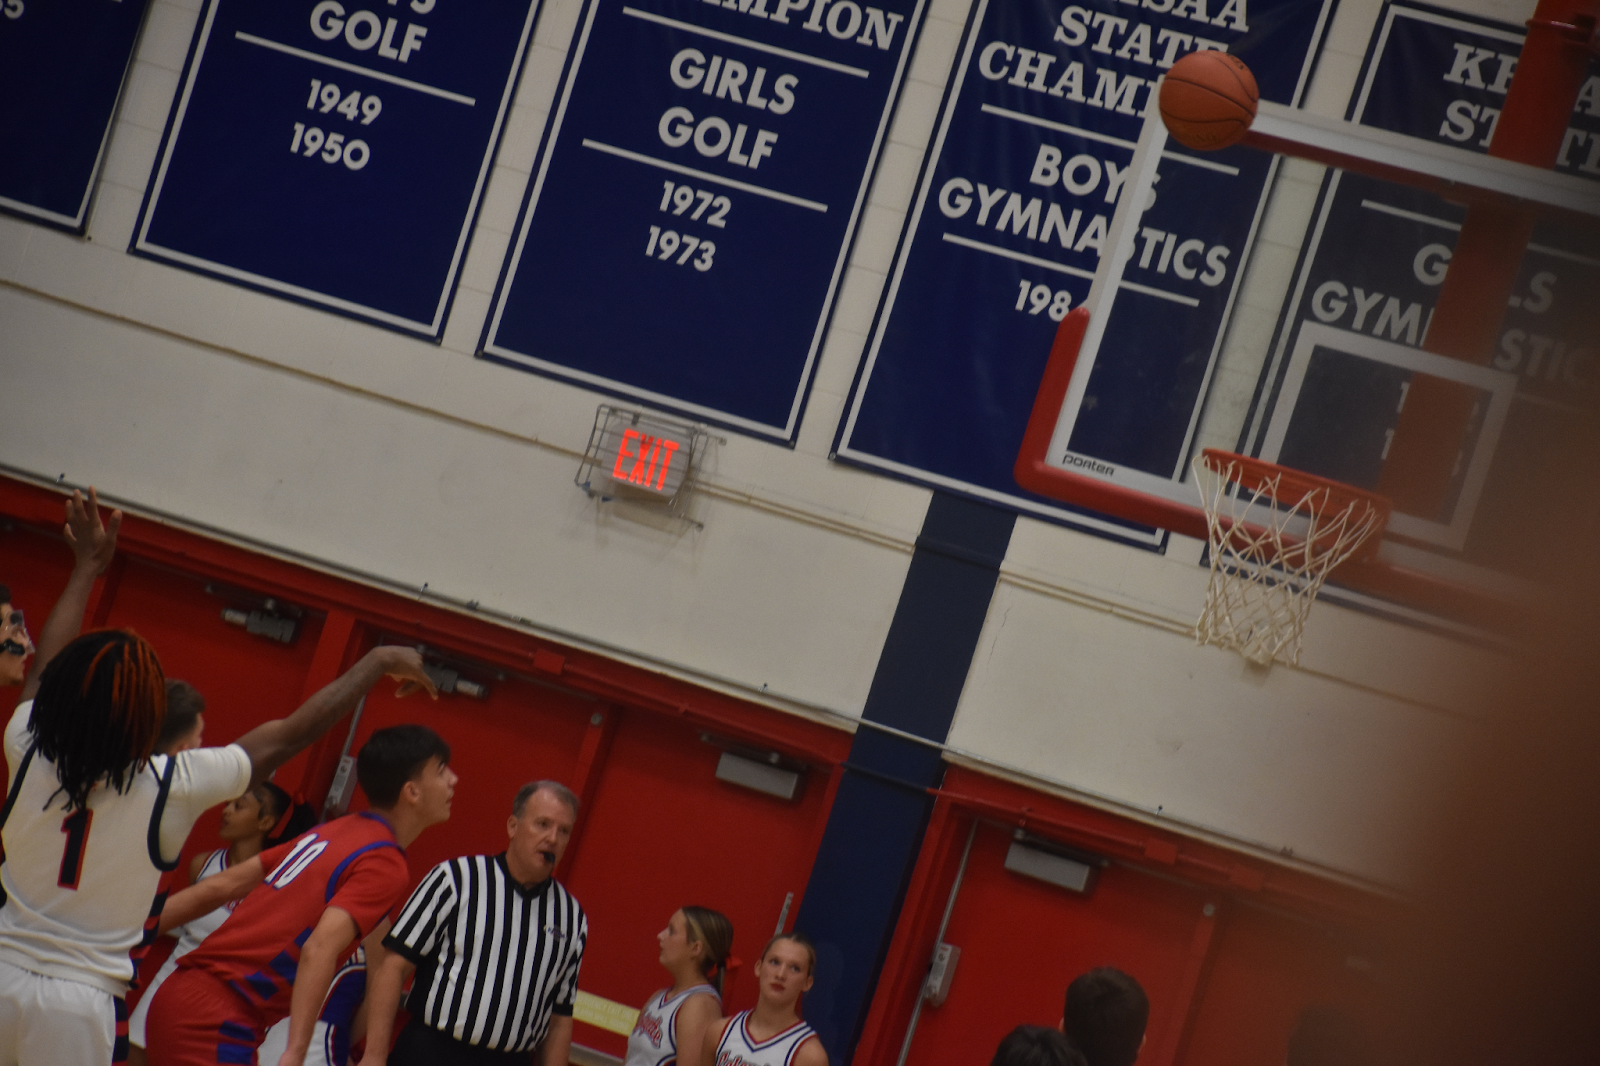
[{"x": 1326, "y": 346}]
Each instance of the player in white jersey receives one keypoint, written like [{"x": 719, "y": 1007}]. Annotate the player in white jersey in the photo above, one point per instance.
[
  {"x": 694, "y": 950},
  {"x": 261, "y": 818},
  {"x": 772, "y": 1034},
  {"x": 94, "y": 817}
]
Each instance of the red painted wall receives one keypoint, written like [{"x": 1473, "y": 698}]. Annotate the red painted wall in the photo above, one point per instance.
[
  {"x": 658, "y": 830},
  {"x": 245, "y": 679},
  {"x": 662, "y": 832},
  {"x": 522, "y": 732},
  {"x": 1022, "y": 940},
  {"x": 1229, "y": 947},
  {"x": 1267, "y": 967}
]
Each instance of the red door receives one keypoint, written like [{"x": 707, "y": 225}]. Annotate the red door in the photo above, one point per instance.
[
  {"x": 663, "y": 832},
  {"x": 522, "y": 732},
  {"x": 657, "y": 831},
  {"x": 246, "y": 679},
  {"x": 1266, "y": 967},
  {"x": 1023, "y": 940}
]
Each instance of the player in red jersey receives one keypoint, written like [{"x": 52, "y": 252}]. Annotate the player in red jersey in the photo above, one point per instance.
[{"x": 306, "y": 904}]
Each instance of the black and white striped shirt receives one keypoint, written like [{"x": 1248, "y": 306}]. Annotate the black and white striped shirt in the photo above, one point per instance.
[{"x": 494, "y": 960}]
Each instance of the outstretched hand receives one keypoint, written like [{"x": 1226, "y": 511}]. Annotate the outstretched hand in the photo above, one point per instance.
[
  {"x": 405, "y": 666},
  {"x": 93, "y": 543}
]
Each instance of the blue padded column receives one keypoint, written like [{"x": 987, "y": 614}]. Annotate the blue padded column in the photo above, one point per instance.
[{"x": 875, "y": 828}]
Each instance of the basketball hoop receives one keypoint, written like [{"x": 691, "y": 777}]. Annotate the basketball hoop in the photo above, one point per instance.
[{"x": 1275, "y": 534}]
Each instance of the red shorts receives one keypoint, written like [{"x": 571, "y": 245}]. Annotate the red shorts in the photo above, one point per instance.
[{"x": 197, "y": 1020}]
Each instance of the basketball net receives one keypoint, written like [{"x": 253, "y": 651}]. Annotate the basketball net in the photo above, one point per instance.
[{"x": 1275, "y": 535}]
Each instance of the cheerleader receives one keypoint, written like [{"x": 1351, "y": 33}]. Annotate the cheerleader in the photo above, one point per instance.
[
  {"x": 772, "y": 1034},
  {"x": 694, "y": 950}
]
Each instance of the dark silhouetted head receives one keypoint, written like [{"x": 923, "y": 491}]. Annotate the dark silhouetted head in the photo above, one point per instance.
[
  {"x": 1036, "y": 1045},
  {"x": 1105, "y": 1016}
]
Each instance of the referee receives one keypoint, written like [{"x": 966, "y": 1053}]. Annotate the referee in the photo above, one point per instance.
[{"x": 495, "y": 943}]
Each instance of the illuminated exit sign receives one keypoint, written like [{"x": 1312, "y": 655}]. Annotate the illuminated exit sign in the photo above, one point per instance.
[
  {"x": 639, "y": 455},
  {"x": 647, "y": 460}
]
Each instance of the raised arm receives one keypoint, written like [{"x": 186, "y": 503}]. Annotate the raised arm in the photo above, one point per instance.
[
  {"x": 233, "y": 883},
  {"x": 274, "y": 743},
  {"x": 93, "y": 544}
]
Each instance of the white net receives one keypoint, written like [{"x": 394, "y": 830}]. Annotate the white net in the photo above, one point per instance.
[{"x": 1275, "y": 537}]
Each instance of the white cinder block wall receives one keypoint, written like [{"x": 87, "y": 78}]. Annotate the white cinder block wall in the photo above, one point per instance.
[{"x": 418, "y": 464}]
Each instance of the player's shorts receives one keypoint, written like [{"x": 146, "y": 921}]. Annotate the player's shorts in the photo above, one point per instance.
[
  {"x": 50, "y": 1019},
  {"x": 325, "y": 1049},
  {"x": 197, "y": 1020}
]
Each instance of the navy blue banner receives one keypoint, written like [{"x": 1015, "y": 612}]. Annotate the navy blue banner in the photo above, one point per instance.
[
  {"x": 686, "y": 227},
  {"x": 336, "y": 154},
  {"x": 62, "y": 64},
  {"x": 1371, "y": 268},
  {"x": 1008, "y": 226}
]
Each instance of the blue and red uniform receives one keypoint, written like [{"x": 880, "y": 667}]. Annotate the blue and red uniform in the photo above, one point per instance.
[{"x": 228, "y": 991}]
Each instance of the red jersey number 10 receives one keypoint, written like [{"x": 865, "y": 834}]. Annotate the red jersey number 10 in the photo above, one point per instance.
[{"x": 294, "y": 863}]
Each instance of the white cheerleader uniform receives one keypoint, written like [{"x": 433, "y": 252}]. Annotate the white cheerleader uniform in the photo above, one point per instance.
[
  {"x": 189, "y": 937},
  {"x": 654, "y": 1040},
  {"x": 739, "y": 1048}
]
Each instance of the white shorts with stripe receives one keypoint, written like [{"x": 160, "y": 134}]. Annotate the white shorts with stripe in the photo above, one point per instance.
[{"x": 55, "y": 1021}]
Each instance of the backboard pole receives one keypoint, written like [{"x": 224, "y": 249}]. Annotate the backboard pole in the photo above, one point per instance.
[
  {"x": 1137, "y": 189},
  {"x": 1488, "y": 257}
]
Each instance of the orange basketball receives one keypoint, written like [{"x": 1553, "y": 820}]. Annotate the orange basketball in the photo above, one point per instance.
[{"x": 1208, "y": 100}]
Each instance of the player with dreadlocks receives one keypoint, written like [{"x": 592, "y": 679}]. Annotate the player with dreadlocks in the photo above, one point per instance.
[
  {"x": 93, "y": 818},
  {"x": 98, "y": 712}
]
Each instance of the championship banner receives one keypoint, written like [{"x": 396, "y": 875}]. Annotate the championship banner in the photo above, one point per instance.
[
  {"x": 1009, "y": 222},
  {"x": 333, "y": 154},
  {"x": 62, "y": 65},
  {"x": 1363, "y": 296},
  {"x": 687, "y": 222}
]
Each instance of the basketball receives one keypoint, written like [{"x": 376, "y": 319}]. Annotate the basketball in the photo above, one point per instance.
[{"x": 1208, "y": 100}]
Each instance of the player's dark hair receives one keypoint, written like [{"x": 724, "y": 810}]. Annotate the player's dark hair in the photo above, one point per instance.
[
  {"x": 98, "y": 712},
  {"x": 184, "y": 707},
  {"x": 289, "y": 819},
  {"x": 393, "y": 756},
  {"x": 555, "y": 788},
  {"x": 1035, "y": 1045},
  {"x": 1326, "y": 1036},
  {"x": 5, "y": 593},
  {"x": 799, "y": 938},
  {"x": 712, "y": 929},
  {"x": 1105, "y": 1017}
]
